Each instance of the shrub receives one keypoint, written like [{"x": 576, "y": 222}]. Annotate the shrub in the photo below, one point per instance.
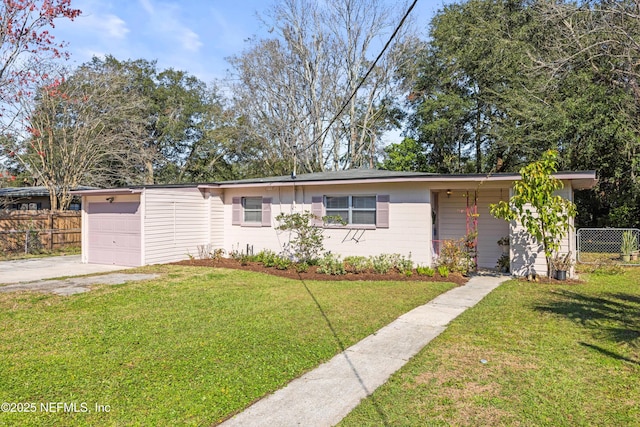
[
  {"x": 331, "y": 264},
  {"x": 244, "y": 259},
  {"x": 504, "y": 263},
  {"x": 453, "y": 256},
  {"x": 382, "y": 263},
  {"x": 302, "y": 267},
  {"x": 282, "y": 263},
  {"x": 236, "y": 253},
  {"x": 306, "y": 244},
  {"x": 217, "y": 254},
  {"x": 357, "y": 264},
  {"x": 404, "y": 265},
  {"x": 267, "y": 257},
  {"x": 443, "y": 271},
  {"x": 425, "y": 271}
]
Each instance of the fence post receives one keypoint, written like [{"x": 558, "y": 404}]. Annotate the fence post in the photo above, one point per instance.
[{"x": 51, "y": 231}]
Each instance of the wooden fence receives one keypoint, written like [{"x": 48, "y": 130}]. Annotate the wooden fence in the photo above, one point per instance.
[{"x": 35, "y": 231}]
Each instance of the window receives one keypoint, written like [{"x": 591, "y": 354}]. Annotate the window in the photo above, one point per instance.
[
  {"x": 252, "y": 207},
  {"x": 354, "y": 210},
  {"x": 251, "y": 211}
]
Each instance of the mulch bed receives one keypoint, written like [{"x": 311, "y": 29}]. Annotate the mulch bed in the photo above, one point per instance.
[{"x": 312, "y": 274}]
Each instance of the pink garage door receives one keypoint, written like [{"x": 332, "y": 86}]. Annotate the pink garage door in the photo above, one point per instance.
[{"x": 114, "y": 233}]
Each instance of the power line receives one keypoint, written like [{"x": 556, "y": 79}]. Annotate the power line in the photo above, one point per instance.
[{"x": 369, "y": 71}]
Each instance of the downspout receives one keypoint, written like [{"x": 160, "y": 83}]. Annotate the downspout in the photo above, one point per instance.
[
  {"x": 143, "y": 216},
  {"x": 84, "y": 230}
]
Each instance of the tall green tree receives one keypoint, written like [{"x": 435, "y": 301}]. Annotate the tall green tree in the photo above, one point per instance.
[
  {"x": 592, "y": 62},
  {"x": 469, "y": 87},
  {"x": 110, "y": 123},
  {"x": 502, "y": 81},
  {"x": 186, "y": 122}
]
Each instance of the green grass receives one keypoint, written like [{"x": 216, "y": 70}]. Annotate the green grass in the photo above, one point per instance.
[
  {"x": 68, "y": 250},
  {"x": 556, "y": 355},
  {"x": 189, "y": 349},
  {"x": 604, "y": 258}
]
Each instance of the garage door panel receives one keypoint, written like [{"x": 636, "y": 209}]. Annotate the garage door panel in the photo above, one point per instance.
[
  {"x": 114, "y": 208},
  {"x": 126, "y": 242},
  {"x": 114, "y": 233}
]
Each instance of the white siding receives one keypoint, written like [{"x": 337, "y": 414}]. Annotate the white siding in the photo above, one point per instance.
[
  {"x": 176, "y": 222},
  {"x": 527, "y": 255},
  {"x": 409, "y": 229},
  {"x": 216, "y": 221},
  {"x": 490, "y": 229},
  {"x": 452, "y": 221},
  {"x": 452, "y": 215}
]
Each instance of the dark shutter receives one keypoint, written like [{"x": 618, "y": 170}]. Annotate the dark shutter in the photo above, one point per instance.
[
  {"x": 382, "y": 211},
  {"x": 266, "y": 211},
  {"x": 236, "y": 212},
  {"x": 316, "y": 210}
]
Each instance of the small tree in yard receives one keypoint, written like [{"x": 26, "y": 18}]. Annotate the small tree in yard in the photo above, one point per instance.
[
  {"x": 544, "y": 215},
  {"x": 307, "y": 242}
]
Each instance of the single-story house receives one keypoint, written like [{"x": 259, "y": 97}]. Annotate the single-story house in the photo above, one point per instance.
[
  {"x": 408, "y": 213},
  {"x": 31, "y": 198}
]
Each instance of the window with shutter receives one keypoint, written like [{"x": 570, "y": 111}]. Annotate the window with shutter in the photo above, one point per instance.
[
  {"x": 266, "y": 211},
  {"x": 236, "y": 213},
  {"x": 358, "y": 210},
  {"x": 382, "y": 211},
  {"x": 251, "y": 211}
]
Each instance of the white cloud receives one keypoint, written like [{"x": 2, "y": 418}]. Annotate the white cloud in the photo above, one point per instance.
[
  {"x": 190, "y": 40},
  {"x": 165, "y": 22},
  {"x": 101, "y": 25},
  {"x": 115, "y": 27},
  {"x": 146, "y": 5}
]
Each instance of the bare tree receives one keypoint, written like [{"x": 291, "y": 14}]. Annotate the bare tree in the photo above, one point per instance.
[
  {"x": 82, "y": 130},
  {"x": 290, "y": 88},
  {"x": 602, "y": 36}
]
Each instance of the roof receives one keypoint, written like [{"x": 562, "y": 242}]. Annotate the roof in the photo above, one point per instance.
[
  {"x": 349, "y": 174},
  {"x": 581, "y": 179},
  {"x": 15, "y": 192}
]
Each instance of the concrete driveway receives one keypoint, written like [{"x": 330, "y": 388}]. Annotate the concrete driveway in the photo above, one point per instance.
[{"x": 29, "y": 270}]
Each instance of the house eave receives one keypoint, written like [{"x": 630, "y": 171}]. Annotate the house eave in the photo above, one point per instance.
[
  {"x": 108, "y": 192},
  {"x": 580, "y": 180}
]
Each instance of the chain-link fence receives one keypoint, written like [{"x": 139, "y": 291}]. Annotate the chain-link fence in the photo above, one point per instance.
[
  {"x": 32, "y": 232},
  {"x": 32, "y": 241},
  {"x": 595, "y": 245}
]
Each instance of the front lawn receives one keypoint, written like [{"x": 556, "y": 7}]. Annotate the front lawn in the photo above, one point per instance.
[
  {"x": 529, "y": 354},
  {"x": 190, "y": 348}
]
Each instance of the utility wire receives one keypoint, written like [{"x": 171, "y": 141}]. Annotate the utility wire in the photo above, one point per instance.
[{"x": 369, "y": 71}]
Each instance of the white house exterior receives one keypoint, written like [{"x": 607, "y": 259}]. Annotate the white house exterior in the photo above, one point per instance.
[{"x": 388, "y": 212}]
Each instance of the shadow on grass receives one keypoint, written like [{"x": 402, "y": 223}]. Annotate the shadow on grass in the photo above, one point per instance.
[
  {"x": 609, "y": 353},
  {"x": 614, "y": 317}
]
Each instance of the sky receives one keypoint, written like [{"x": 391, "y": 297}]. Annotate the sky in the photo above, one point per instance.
[{"x": 189, "y": 35}]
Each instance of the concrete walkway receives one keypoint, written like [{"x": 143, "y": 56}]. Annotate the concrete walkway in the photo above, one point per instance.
[
  {"x": 29, "y": 270},
  {"x": 327, "y": 394},
  {"x": 76, "y": 285}
]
